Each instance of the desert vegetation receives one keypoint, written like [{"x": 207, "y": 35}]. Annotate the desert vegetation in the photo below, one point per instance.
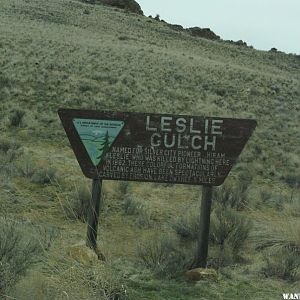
[{"x": 76, "y": 55}]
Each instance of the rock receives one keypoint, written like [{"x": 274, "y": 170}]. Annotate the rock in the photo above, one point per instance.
[
  {"x": 273, "y": 50},
  {"x": 130, "y": 5},
  {"x": 241, "y": 43},
  {"x": 157, "y": 18},
  {"x": 84, "y": 255},
  {"x": 176, "y": 27},
  {"x": 201, "y": 274},
  {"x": 203, "y": 32}
]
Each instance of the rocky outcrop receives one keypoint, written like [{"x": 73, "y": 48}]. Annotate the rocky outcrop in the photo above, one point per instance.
[
  {"x": 129, "y": 5},
  {"x": 241, "y": 43},
  {"x": 176, "y": 27},
  {"x": 203, "y": 32}
]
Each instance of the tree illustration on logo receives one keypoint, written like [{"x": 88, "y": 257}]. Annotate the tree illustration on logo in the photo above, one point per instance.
[{"x": 104, "y": 146}]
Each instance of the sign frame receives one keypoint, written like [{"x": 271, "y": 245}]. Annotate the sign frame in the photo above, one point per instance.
[{"x": 132, "y": 120}]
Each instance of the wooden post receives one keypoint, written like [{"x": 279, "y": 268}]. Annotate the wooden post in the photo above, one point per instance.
[
  {"x": 93, "y": 218},
  {"x": 203, "y": 237}
]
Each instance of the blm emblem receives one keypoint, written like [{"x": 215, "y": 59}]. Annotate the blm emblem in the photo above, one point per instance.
[{"x": 97, "y": 136}]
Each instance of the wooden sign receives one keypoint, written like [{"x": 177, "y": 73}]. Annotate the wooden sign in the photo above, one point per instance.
[{"x": 155, "y": 147}]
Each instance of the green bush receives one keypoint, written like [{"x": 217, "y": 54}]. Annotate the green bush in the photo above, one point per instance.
[
  {"x": 265, "y": 195},
  {"x": 6, "y": 145},
  {"x": 44, "y": 175},
  {"x": 280, "y": 241},
  {"x": 19, "y": 248},
  {"x": 144, "y": 218},
  {"x": 27, "y": 167},
  {"x": 187, "y": 226},
  {"x": 124, "y": 186},
  {"x": 106, "y": 283},
  {"x": 37, "y": 174},
  {"x": 229, "y": 231},
  {"x": 278, "y": 234},
  {"x": 282, "y": 264},
  {"x": 244, "y": 180},
  {"x": 231, "y": 227},
  {"x": 292, "y": 206},
  {"x": 78, "y": 205},
  {"x": 163, "y": 255},
  {"x": 97, "y": 282},
  {"x": 293, "y": 179},
  {"x": 131, "y": 205},
  {"x": 220, "y": 257},
  {"x": 232, "y": 196},
  {"x": 136, "y": 207},
  {"x": 16, "y": 117},
  {"x": 9, "y": 151}
]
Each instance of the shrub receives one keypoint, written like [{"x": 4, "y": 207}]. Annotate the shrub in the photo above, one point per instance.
[
  {"x": 106, "y": 283},
  {"x": 282, "y": 264},
  {"x": 9, "y": 151},
  {"x": 5, "y": 81},
  {"x": 162, "y": 255},
  {"x": 231, "y": 227},
  {"x": 187, "y": 227},
  {"x": 244, "y": 178},
  {"x": 36, "y": 286},
  {"x": 231, "y": 196},
  {"x": 36, "y": 173},
  {"x": 133, "y": 206},
  {"x": 16, "y": 117},
  {"x": 281, "y": 238},
  {"x": 229, "y": 231},
  {"x": 100, "y": 281},
  {"x": 292, "y": 206},
  {"x": 18, "y": 250},
  {"x": 144, "y": 218},
  {"x": 79, "y": 205},
  {"x": 228, "y": 228},
  {"x": 278, "y": 234},
  {"x": 27, "y": 167},
  {"x": 6, "y": 145},
  {"x": 292, "y": 179},
  {"x": 221, "y": 256},
  {"x": 124, "y": 186},
  {"x": 123, "y": 38},
  {"x": 44, "y": 175},
  {"x": 7, "y": 167},
  {"x": 265, "y": 195}
]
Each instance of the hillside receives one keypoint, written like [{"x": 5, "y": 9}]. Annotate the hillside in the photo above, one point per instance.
[{"x": 65, "y": 53}]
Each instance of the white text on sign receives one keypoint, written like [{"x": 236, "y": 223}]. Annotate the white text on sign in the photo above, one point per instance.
[{"x": 185, "y": 134}]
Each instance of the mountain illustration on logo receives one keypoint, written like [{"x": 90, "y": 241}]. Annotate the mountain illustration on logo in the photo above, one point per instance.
[{"x": 97, "y": 136}]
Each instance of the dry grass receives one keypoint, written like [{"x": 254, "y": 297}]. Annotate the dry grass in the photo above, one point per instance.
[
  {"x": 55, "y": 54},
  {"x": 278, "y": 233}
]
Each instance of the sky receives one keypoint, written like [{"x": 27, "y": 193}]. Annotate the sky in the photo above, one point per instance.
[{"x": 264, "y": 24}]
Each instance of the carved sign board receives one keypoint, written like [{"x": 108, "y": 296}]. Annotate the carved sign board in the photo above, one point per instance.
[{"x": 155, "y": 147}]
